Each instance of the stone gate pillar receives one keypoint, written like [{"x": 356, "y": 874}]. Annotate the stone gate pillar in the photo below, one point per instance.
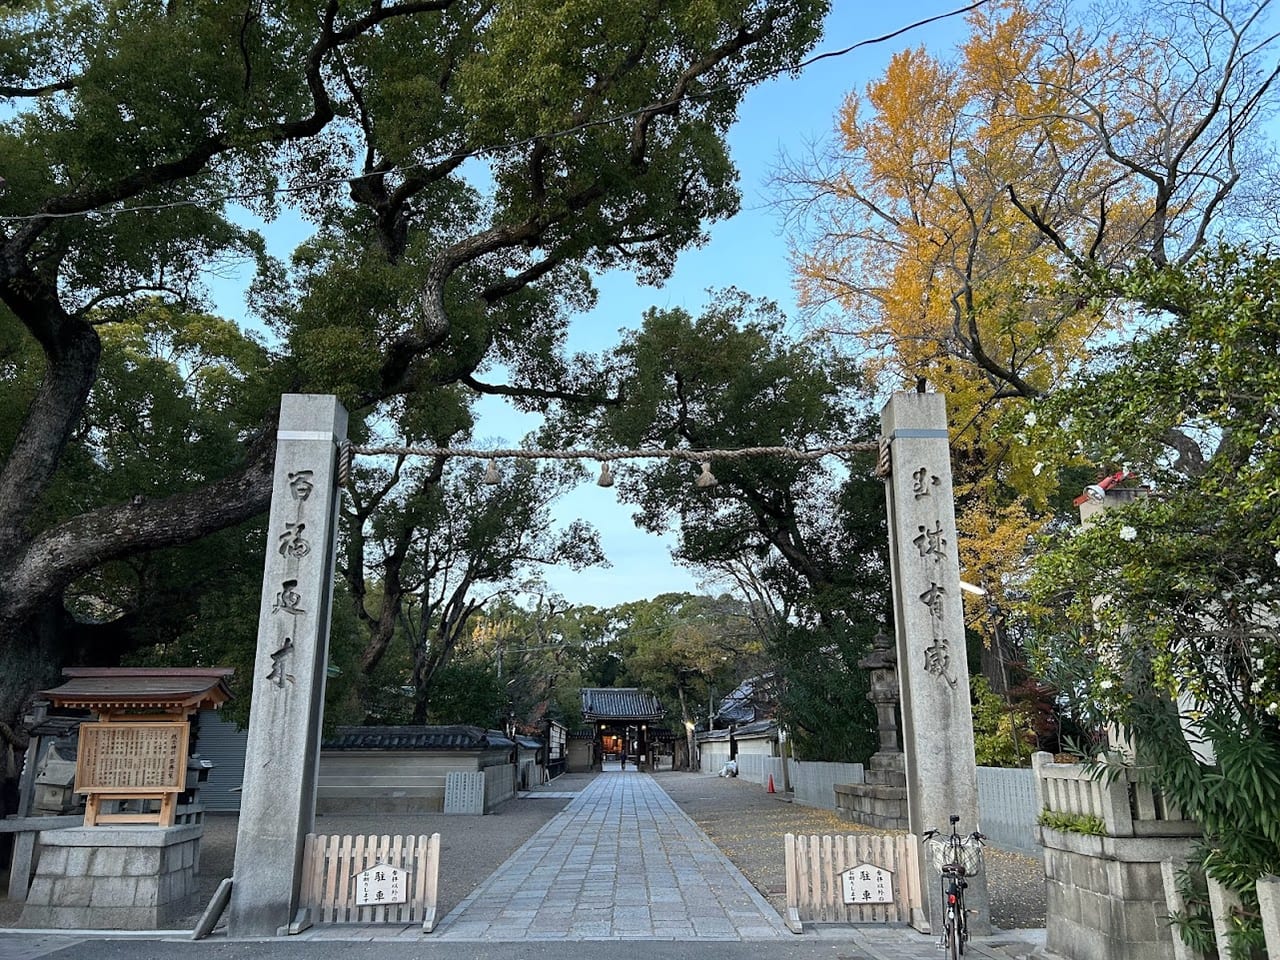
[
  {"x": 937, "y": 722},
  {"x": 277, "y": 807}
]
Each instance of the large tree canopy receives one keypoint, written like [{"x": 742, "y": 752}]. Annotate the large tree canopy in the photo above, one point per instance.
[
  {"x": 464, "y": 162},
  {"x": 945, "y": 225},
  {"x": 804, "y": 541},
  {"x": 1164, "y": 613}
]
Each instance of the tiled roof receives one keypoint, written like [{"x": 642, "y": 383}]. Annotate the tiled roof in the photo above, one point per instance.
[
  {"x": 749, "y": 701},
  {"x": 619, "y": 703},
  {"x": 154, "y": 687},
  {"x": 454, "y": 737},
  {"x": 761, "y": 728},
  {"x": 56, "y": 727}
]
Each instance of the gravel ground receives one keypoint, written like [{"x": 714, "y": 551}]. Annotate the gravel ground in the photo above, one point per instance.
[
  {"x": 471, "y": 848},
  {"x": 747, "y": 823}
]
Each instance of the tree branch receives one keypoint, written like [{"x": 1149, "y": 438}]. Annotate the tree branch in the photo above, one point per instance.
[
  {"x": 539, "y": 393},
  {"x": 58, "y": 86},
  {"x": 64, "y": 552}
]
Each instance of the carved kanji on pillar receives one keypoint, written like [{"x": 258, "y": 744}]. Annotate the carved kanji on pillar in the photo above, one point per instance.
[
  {"x": 937, "y": 723},
  {"x": 278, "y": 799}
]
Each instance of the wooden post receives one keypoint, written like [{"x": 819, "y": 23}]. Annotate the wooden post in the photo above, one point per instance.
[{"x": 24, "y": 842}]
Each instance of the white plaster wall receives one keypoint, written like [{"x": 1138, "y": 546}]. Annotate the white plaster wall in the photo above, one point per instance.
[{"x": 714, "y": 755}]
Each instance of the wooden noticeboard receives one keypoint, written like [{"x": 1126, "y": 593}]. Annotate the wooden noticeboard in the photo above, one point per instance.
[{"x": 127, "y": 761}]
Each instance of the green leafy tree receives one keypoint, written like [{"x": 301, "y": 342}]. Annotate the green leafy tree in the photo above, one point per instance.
[
  {"x": 1178, "y": 595},
  {"x": 684, "y": 647},
  {"x": 445, "y": 543},
  {"x": 1002, "y": 734},
  {"x": 538, "y": 651},
  {"x": 464, "y": 162},
  {"x": 805, "y": 539},
  {"x": 177, "y": 385},
  {"x": 468, "y": 691}
]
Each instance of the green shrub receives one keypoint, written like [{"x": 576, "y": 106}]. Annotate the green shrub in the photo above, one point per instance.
[
  {"x": 1002, "y": 735},
  {"x": 1073, "y": 823},
  {"x": 1194, "y": 923}
]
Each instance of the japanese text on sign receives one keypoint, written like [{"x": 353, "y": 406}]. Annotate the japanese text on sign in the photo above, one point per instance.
[
  {"x": 866, "y": 883},
  {"x": 141, "y": 756},
  {"x": 382, "y": 884}
]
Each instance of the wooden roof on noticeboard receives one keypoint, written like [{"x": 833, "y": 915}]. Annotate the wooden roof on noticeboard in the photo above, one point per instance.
[{"x": 152, "y": 688}]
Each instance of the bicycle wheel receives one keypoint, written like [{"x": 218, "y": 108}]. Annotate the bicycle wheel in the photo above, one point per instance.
[{"x": 952, "y": 934}]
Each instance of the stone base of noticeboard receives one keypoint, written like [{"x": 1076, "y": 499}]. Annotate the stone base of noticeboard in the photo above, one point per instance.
[{"x": 113, "y": 878}]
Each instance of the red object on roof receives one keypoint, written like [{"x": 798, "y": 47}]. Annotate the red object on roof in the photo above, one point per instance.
[{"x": 1106, "y": 483}]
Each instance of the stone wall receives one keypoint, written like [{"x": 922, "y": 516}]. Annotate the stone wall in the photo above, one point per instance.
[
  {"x": 113, "y": 878},
  {"x": 1106, "y": 895},
  {"x": 880, "y": 801},
  {"x": 386, "y": 781}
]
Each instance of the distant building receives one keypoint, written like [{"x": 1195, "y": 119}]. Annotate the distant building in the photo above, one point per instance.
[
  {"x": 622, "y": 723},
  {"x": 754, "y": 699}
]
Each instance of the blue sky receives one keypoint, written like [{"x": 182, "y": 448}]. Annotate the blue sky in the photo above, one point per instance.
[{"x": 749, "y": 252}]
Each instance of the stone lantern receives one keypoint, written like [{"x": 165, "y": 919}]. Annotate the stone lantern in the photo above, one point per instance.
[
  {"x": 882, "y": 664},
  {"x": 881, "y": 799}
]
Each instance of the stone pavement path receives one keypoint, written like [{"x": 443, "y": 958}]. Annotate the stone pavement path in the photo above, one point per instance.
[
  {"x": 620, "y": 864},
  {"x": 621, "y": 861}
]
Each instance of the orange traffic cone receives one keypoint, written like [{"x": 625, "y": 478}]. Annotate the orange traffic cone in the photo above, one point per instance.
[{"x": 771, "y": 790}]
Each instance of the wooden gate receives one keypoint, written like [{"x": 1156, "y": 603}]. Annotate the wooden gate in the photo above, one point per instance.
[
  {"x": 815, "y": 888},
  {"x": 330, "y": 861}
]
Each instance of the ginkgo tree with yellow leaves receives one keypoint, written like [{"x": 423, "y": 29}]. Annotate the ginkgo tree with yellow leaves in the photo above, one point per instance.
[{"x": 942, "y": 233}]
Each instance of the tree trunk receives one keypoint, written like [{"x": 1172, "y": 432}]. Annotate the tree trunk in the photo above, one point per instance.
[
  {"x": 72, "y": 352},
  {"x": 31, "y": 659},
  {"x": 690, "y": 746}
]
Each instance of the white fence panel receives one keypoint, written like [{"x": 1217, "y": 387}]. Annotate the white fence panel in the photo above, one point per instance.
[
  {"x": 1007, "y": 808},
  {"x": 814, "y": 780},
  {"x": 751, "y": 767}
]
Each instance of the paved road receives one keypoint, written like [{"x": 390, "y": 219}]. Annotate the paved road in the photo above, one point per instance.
[
  {"x": 620, "y": 872},
  {"x": 621, "y": 861}
]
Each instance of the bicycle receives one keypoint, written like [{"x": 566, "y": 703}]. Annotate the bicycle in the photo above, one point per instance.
[{"x": 955, "y": 858}]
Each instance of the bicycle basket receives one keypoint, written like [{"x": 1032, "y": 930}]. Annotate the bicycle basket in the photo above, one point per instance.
[{"x": 969, "y": 855}]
